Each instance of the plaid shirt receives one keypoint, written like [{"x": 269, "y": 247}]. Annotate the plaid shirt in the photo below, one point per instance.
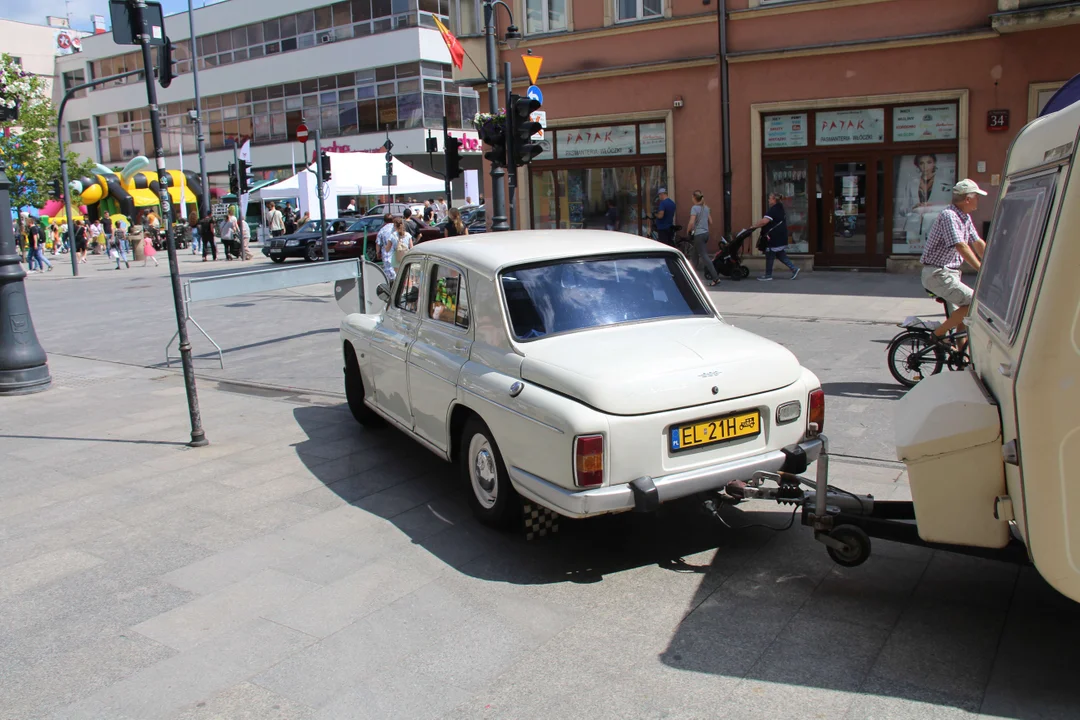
[{"x": 951, "y": 228}]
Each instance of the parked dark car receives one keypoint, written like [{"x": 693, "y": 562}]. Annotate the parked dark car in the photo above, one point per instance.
[
  {"x": 350, "y": 244},
  {"x": 305, "y": 243}
]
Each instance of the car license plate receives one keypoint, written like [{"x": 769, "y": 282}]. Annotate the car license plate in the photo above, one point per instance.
[
  {"x": 707, "y": 432},
  {"x": 275, "y": 252}
]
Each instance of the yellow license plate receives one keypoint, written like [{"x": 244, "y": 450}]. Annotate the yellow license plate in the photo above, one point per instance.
[{"x": 707, "y": 432}]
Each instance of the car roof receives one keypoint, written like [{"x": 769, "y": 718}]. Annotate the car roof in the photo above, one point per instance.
[{"x": 490, "y": 252}]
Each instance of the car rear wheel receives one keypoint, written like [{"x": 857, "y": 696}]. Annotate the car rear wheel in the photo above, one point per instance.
[{"x": 491, "y": 496}]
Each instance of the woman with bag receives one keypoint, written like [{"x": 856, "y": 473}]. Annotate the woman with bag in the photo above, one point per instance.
[
  {"x": 700, "y": 220},
  {"x": 403, "y": 241}
]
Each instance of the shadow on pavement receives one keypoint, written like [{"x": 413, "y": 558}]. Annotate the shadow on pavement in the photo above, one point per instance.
[
  {"x": 911, "y": 633},
  {"x": 834, "y": 282}
]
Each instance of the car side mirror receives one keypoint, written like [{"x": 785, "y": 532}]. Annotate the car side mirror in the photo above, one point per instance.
[{"x": 383, "y": 292}]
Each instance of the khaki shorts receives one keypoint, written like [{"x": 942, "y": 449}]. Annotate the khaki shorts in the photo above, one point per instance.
[{"x": 946, "y": 284}]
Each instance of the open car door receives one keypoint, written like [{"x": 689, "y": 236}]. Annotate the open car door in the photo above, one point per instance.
[{"x": 364, "y": 298}]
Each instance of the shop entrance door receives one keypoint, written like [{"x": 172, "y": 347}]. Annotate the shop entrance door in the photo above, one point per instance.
[{"x": 851, "y": 207}]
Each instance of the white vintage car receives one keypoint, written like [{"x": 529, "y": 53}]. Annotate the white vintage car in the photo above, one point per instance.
[{"x": 587, "y": 371}]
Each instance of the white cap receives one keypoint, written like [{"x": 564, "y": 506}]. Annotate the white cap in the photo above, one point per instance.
[
  {"x": 967, "y": 187},
  {"x": 662, "y": 190}
]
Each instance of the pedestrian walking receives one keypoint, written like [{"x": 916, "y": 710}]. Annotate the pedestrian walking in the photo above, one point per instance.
[
  {"x": 107, "y": 226},
  {"x": 148, "y": 250},
  {"x": 121, "y": 228},
  {"x": 290, "y": 220},
  {"x": 245, "y": 238},
  {"x": 80, "y": 241},
  {"x": 54, "y": 238},
  {"x": 206, "y": 235},
  {"x": 228, "y": 231},
  {"x": 96, "y": 236},
  {"x": 665, "y": 218},
  {"x": 386, "y": 243},
  {"x": 403, "y": 242},
  {"x": 35, "y": 239},
  {"x": 116, "y": 246},
  {"x": 196, "y": 242},
  {"x": 700, "y": 222},
  {"x": 454, "y": 224},
  {"x": 774, "y": 237},
  {"x": 275, "y": 222}
]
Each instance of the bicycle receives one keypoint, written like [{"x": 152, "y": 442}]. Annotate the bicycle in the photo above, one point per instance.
[
  {"x": 682, "y": 243},
  {"x": 913, "y": 354}
]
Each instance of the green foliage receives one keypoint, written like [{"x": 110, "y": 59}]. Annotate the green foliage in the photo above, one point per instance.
[{"x": 28, "y": 146}]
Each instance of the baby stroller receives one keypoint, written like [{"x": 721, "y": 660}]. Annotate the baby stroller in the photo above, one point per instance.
[{"x": 728, "y": 261}]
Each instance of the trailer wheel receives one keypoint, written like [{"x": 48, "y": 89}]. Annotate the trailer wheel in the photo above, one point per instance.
[{"x": 857, "y": 544}]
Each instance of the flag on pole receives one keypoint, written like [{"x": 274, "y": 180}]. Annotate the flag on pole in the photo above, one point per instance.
[{"x": 457, "y": 53}]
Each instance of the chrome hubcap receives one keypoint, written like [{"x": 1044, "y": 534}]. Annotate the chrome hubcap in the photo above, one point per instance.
[{"x": 483, "y": 472}]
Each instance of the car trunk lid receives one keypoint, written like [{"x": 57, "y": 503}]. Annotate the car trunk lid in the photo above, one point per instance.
[{"x": 657, "y": 366}]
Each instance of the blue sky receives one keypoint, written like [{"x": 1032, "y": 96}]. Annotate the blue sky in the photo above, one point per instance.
[{"x": 35, "y": 11}]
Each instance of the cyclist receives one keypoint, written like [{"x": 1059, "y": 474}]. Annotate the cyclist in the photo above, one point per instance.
[{"x": 952, "y": 240}]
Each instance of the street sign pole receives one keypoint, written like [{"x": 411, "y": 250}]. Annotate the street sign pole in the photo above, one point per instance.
[
  {"x": 319, "y": 187},
  {"x": 446, "y": 168},
  {"x": 142, "y": 30},
  {"x": 511, "y": 168},
  {"x": 498, "y": 191}
]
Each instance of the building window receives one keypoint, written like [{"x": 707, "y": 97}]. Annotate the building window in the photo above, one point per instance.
[
  {"x": 638, "y": 9},
  {"x": 467, "y": 17},
  {"x": 79, "y": 131},
  {"x": 73, "y": 78},
  {"x": 545, "y": 16},
  {"x": 16, "y": 59}
]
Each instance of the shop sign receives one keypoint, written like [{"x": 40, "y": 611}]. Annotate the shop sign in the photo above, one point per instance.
[
  {"x": 924, "y": 122},
  {"x": 597, "y": 141},
  {"x": 851, "y": 127},
  {"x": 653, "y": 139},
  {"x": 784, "y": 131}
]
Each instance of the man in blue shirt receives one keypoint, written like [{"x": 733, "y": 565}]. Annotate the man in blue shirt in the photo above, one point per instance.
[{"x": 665, "y": 218}]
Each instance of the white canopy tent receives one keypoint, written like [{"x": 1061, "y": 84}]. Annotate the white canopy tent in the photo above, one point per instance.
[{"x": 351, "y": 174}]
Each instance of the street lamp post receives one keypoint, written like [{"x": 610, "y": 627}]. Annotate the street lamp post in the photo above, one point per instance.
[
  {"x": 204, "y": 201},
  {"x": 498, "y": 191},
  {"x": 24, "y": 367}
]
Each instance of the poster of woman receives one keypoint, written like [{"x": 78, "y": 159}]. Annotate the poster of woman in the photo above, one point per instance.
[{"x": 923, "y": 189}]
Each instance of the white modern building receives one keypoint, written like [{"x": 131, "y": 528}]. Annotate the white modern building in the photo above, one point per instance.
[
  {"x": 36, "y": 47},
  {"x": 353, "y": 69}
]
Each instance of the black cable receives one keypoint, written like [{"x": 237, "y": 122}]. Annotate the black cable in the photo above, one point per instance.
[{"x": 791, "y": 521}]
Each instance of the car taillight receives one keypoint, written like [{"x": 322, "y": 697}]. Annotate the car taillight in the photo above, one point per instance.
[
  {"x": 816, "y": 415},
  {"x": 589, "y": 460}
]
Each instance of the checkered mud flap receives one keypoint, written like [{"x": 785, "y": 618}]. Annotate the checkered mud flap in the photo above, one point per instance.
[{"x": 538, "y": 520}]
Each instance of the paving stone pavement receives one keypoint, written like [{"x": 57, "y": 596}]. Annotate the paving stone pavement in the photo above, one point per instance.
[{"x": 301, "y": 567}]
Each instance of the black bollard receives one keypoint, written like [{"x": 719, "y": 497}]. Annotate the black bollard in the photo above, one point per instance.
[{"x": 24, "y": 367}]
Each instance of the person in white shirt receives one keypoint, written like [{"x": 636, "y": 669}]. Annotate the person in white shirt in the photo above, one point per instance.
[
  {"x": 387, "y": 243},
  {"x": 274, "y": 220},
  {"x": 441, "y": 211}
]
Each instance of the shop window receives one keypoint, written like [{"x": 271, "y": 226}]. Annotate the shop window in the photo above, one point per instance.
[
  {"x": 543, "y": 200},
  {"x": 410, "y": 111},
  {"x": 447, "y": 301},
  {"x": 1019, "y": 223},
  {"x": 787, "y": 178},
  {"x": 638, "y": 9},
  {"x": 543, "y": 16},
  {"x": 922, "y": 185},
  {"x": 653, "y": 139}
]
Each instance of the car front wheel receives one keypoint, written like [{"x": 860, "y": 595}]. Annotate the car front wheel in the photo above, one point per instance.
[
  {"x": 491, "y": 496},
  {"x": 313, "y": 254}
]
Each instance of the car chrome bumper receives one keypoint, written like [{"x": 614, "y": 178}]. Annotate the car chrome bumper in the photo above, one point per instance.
[{"x": 645, "y": 493}]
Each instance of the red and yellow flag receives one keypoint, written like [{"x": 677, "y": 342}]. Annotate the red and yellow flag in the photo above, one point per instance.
[{"x": 457, "y": 53}]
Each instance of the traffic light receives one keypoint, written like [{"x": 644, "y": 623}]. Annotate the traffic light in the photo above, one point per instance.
[
  {"x": 54, "y": 189},
  {"x": 234, "y": 185},
  {"x": 247, "y": 177},
  {"x": 325, "y": 166},
  {"x": 497, "y": 140},
  {"x": 165, "y": 64},
  {"x": 453, "y": 157},
  {"x": 522, "y": 146}
]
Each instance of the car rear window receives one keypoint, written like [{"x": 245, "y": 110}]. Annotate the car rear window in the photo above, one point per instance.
[{"x": 577, "y": 294}]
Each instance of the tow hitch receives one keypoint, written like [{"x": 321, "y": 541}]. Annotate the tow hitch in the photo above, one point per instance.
[{"x": 842, "y": 521}]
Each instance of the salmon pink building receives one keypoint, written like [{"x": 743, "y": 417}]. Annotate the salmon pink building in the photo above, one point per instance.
[{"x": 861, "y": 114}]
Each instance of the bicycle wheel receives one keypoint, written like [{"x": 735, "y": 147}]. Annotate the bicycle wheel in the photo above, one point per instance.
[{"x": 913, "y": 356}]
